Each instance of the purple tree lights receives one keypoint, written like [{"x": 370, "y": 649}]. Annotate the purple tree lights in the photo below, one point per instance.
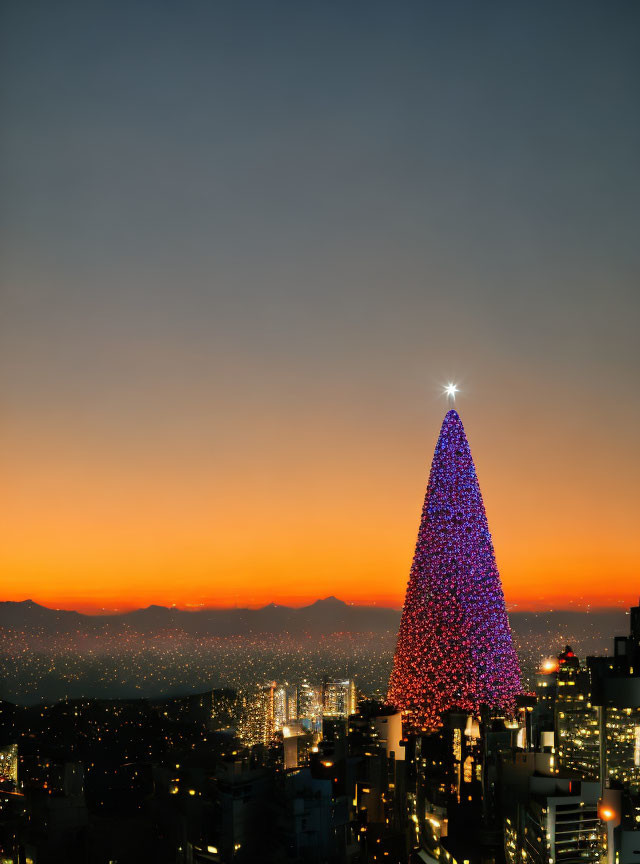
[{"x": 454, "y": 647}]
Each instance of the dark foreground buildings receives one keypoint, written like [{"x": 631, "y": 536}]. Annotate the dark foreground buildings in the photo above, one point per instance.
[
  {"x": 160, "y": 782},
  {"x": 93, "y": 782}
]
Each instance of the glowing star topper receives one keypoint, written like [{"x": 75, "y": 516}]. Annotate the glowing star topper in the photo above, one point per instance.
[{"x": 450, "y": 391}]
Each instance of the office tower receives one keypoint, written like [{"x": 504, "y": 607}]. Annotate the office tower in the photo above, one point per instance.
[
  {"x": 257, "y": 720},
  {"x": 280, "y": 717},
  {"x": 240, "y": 827},
  {"x": 297, "y": 744},
  {"x": 292, "y": 704},
  {"x": 309, "y": 708},
  {"x": 555, "y": 820},
  {"x": 454, "y": 647},
  {"x": 622, "y": 740},
  {"x": 316, "y": 826},
  {"x": 576, "y": 719},
  {"x": 338, "y": 698},
  {"x": 615, "y": 689}
]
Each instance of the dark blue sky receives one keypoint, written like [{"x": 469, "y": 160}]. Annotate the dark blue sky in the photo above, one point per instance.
[{"x": 228, "y": 216}]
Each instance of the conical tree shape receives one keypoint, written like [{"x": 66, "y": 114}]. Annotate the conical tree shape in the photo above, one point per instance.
[{"x": 454, "y": 646}]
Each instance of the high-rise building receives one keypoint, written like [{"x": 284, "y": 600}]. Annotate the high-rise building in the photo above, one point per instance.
[
  {"x": 240, "y": 823},
  {"x": 309, "y": 708},
  {"x": 454, "y": 647},
  {"x": 257, "y": 720},
  {"x": 597, "y": 716},
  {"x": 292, "y": 704},
  {"x": 622, "y": 740},
  {"x": 615, "y": 689},
  {"x": 576, "y": 719},
  {"x": 559, "y": 823},
  {"x": 338, "y": 698},
  {"x": 280, "y": 717}
]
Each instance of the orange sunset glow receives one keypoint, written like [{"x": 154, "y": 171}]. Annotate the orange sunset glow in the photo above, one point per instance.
[
  {"x": 243, "y": 254},
  {"x": 321, "y": 505}
]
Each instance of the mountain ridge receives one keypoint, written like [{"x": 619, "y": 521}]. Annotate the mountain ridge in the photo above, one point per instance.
[
  {"x": 28, "y": 616},
  {"x": 330, "y": 600},
  {"x": 326, "y": 615}
]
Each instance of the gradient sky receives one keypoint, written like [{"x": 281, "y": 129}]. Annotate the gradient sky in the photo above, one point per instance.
[{"x": 243, "y": 245}]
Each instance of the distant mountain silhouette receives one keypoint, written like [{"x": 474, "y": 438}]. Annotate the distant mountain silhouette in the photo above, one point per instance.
[
  {"x": 51, "y": 654},
  {"x": 324, "y": 616},
  {"x": 330, "y": 615}
]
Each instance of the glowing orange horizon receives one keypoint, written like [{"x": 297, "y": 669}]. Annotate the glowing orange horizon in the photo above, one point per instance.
[
  {"x": 113, "y": 606},
  {"x": 129, "y": 526}
]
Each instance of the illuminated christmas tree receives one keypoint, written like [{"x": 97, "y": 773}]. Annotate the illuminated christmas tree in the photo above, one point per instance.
[{"x": 454, "y": 647}]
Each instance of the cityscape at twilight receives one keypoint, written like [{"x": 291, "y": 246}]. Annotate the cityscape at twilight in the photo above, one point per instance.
[{"x": 318, "y": 362}]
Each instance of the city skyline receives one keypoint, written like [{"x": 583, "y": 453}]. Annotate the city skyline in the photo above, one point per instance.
[{"x": 243, "y": 249}]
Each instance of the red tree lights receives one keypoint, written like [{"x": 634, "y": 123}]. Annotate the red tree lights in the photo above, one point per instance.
[{"x": 454, "y": 647}]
